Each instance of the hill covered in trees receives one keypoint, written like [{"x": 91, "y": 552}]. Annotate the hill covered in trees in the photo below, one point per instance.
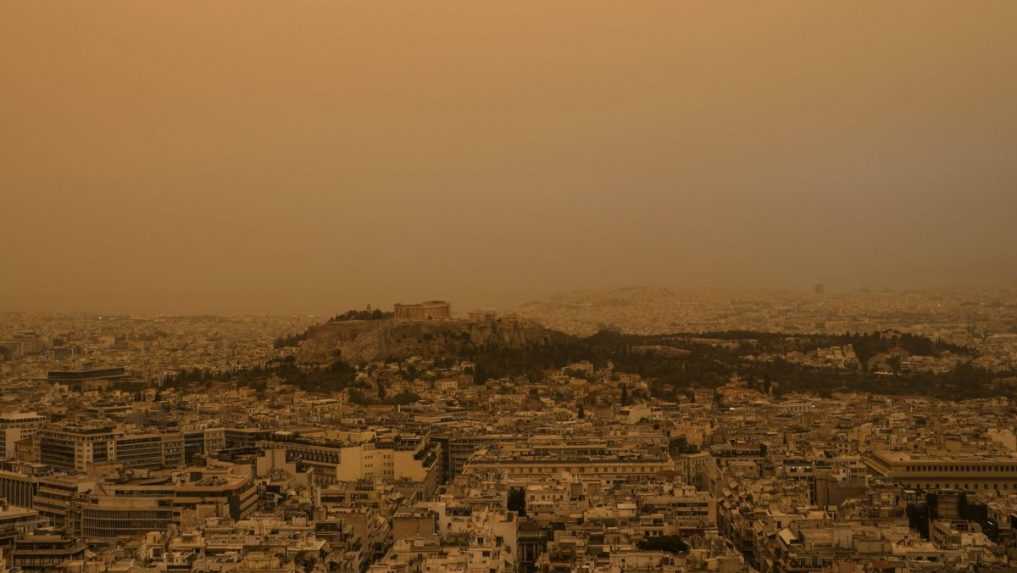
[
  {"x": 675, "y": 363},
  {"x": 331, "y": 378},
  {"x": 671, "y": 364},
  {"x": 360, "y": 341}
]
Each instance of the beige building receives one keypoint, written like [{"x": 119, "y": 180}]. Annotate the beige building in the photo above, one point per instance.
[
  {"x": 320, "y": 457},
  {"x": 405, "y": 458},
  {"x": 76, "y": 447},
  {"x": 420, "y": 463},
  {"x": 151, "y": 451},
  {"x": 584, "y": 460},
  {"x": 105, "y": 518},
  {"x": 236, "y": 495},
  {"x": 962, "y": 471},
  {"x": 17, "y": 426}
]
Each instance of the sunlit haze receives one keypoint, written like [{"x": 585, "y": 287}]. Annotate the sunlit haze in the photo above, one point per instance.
[{"x": 311, "y": 156}]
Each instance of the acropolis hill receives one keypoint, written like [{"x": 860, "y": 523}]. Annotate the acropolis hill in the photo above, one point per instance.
[{"x": 426, "y": 330}]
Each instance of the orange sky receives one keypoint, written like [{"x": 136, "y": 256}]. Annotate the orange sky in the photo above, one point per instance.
[{"x": 309, "y": 156}]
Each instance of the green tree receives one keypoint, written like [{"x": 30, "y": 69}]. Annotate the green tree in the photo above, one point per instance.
[
  {"x": 517, "y": 500},
  {"x": 669, "y": 543}
]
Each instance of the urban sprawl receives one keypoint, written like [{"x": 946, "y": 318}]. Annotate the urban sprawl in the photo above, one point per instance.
[{"x": 637, "y": 430}]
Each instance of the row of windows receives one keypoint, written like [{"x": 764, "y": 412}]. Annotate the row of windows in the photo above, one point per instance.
[
  {"x": 956, "y": 468},
  {"x": 968, "y": 486},
  {"x": 40, "y": 562},
  {"x": 595, "y": 469}
]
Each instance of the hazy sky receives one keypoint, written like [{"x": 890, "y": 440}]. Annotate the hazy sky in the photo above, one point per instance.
[{"x": 256, "y": 156}]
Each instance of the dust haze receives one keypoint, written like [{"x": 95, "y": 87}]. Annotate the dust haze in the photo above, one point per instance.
[{"x": 308, "y": 156}]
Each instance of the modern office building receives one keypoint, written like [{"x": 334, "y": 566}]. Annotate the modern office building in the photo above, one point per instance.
[
  {"x": 107, "y": 518},
  {"x": 200, "y": 443},
  {"x": 459, "y": 445},
  {"x": 417, "y": 461},
  {"x": 17, "y": 488},
  {"x": 90, "y": 379},
  {"x": 15, "y": 522},
  {"x": 56, "y": 499},
  {"x": 46, "y": 552},
  {"x": 401, "y": 458},
  {"x": 237, "y": 495},
  {"x": 76, "y": 447},
  {"x": 320, "y": 457},
  {"x": 595, "y": 460},
  {"x": 150, "y": 451},
  {"x": 961, "y": 470},
  {"x": 17, "y": 426}
]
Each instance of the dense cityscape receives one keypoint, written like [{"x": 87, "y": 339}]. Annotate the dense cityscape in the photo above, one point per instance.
[
  {"x": 656, "y": 431},
  {"x": 460, "y": 286}
]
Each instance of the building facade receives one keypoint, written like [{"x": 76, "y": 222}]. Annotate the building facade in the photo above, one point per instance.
[
  {"x": 430, "y": 310},
  {"x": 76, "y": 447},
  {"x": 17, "y": 426},
  {"x": 966, "y": 472}
]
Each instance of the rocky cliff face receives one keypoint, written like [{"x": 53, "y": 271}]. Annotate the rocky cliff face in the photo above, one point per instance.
[{"x": 358, "y": 341}]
